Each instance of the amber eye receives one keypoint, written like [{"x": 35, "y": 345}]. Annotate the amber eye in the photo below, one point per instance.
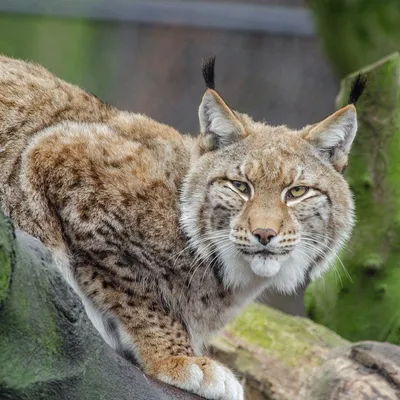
[
  {"x": 297, "y": 191},
  {"x": 241, "y": 186}
]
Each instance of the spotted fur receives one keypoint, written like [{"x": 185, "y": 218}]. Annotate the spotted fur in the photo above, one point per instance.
[{"x": 148, "y": 226}]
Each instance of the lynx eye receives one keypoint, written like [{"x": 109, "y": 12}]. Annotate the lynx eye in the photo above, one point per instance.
[
  {"x": 241, "y": 186},
  {"x": 297, "y": 192}
]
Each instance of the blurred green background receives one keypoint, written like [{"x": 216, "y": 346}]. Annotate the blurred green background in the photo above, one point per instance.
[{"x": 71, "y": 48}]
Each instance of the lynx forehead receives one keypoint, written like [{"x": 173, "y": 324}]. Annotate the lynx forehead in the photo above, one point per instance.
[{"x": 165, "y": 237}]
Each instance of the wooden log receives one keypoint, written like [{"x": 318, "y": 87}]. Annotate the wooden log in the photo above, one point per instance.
[{"x": 281, "y": 357}]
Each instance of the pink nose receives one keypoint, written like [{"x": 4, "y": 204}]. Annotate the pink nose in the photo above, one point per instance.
[{"x": 264, "y": 236}]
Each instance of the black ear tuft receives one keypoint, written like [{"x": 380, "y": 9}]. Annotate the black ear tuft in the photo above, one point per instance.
[
  {"x": 208, "y": 72},
  {"x": 357, "y": 88}
]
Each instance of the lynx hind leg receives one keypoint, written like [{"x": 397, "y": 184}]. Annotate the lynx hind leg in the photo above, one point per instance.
[{"x": 157, "y": 340}]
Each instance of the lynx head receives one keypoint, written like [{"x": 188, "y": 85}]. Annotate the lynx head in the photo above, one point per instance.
[{"x": 269, "y": 202}]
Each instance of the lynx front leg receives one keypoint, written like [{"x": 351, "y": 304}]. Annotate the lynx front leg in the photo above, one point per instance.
[
  {"x": 164, "y": 350},
  {"x": 200, "y": 375},
  {"x": 160, "y": 341}
]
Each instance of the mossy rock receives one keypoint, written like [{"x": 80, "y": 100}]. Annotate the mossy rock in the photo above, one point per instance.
[{"x": 48, "y": 347}]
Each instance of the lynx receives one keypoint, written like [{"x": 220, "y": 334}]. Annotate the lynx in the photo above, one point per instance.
[{"x": 164, "y": 236}]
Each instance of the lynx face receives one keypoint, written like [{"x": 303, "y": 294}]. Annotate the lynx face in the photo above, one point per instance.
[{"x": 271, "y": 203}]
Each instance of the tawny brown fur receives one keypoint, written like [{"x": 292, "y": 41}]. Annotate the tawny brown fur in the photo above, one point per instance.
[{"x": 133, "y": 211}]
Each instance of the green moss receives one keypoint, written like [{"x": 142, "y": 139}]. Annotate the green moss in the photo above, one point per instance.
[
  {"x": 367, "y": 308},
  {"x": 290, "y": 338},
  {"x": 5, "y": 273},
  {"x": 5, "y": 259},
  {"x": 25, "y": 324}
]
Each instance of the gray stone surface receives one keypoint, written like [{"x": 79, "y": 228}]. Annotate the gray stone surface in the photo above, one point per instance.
[{"x": 48, "y": 347}]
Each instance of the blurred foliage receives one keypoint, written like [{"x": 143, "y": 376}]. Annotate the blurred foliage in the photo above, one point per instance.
[
  {"x": 75, "y": 50},
  {"x": 356, "y": 33}
]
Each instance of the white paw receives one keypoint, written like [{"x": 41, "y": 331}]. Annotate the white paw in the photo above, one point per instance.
[
  {"x": 202, "y": 376},
  {"x": 219, "y": 383}
]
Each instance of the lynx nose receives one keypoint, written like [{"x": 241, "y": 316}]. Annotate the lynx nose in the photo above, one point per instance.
[{"x": 264, "y": 236}]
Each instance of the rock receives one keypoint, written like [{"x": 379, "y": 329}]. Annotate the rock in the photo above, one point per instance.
[{"x": 48, "y": 347}]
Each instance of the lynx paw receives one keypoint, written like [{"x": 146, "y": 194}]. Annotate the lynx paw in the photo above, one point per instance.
[{"x": 200, "y": 375}]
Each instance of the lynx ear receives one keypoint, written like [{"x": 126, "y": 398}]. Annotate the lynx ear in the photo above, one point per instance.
[
  {"x": 333, "y": 137},
  {"x": 218, "y": 125}
]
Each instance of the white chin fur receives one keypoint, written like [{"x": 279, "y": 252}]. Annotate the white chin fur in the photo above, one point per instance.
[{"x": 264, "y": 267}]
